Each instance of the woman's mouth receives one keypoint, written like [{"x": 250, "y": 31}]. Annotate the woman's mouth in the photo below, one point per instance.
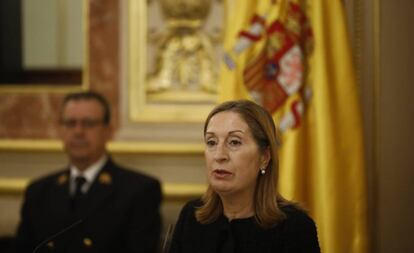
[{"x": 221, "y": 174}]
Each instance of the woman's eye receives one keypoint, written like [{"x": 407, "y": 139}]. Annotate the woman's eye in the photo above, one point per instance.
[
  {"x": 234, "y": 142},
  {"x": 210, "y": 143}
]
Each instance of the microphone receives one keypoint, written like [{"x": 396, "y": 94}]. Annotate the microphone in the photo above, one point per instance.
[
  {"x": 43, "y": 243},
  {"x": 167, "y": 239}
]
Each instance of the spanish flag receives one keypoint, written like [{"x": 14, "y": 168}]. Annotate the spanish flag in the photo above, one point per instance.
[{"x": 294, "y": 58}]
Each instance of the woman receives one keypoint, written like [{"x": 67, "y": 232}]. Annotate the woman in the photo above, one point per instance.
[{"x": 241, "y": 210}]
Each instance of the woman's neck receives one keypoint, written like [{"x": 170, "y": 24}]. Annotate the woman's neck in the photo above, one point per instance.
[{"x": 237, "y": 208}]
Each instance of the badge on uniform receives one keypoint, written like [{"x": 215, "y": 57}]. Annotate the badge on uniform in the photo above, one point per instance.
[
  {"x": 62, "y": 179},
  {"x": 105, "y": 178}
]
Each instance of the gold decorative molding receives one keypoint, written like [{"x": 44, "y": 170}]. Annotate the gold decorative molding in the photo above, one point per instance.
[
  {"x": 43, "y": 88},
  {"x": 156, "y": 148},
  {"x": 30, "y": 145},
  {"x": 140, "y": 108},
  {"x": 13, "y": 187},
  {"x": 181, "y": 192},
  {"x": 171, "y": 192}
]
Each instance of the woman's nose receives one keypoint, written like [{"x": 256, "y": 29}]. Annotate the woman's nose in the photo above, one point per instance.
[{"x": 221, "y": 153}]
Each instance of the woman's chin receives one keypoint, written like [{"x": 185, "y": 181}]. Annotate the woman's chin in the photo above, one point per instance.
[{"x": 221, "y": 188}]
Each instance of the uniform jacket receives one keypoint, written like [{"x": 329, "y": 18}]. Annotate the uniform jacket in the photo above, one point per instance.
[{"x": 119, "y": 213}]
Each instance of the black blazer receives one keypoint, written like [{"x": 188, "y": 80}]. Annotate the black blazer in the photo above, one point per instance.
[{"x": 120, "y": 213}]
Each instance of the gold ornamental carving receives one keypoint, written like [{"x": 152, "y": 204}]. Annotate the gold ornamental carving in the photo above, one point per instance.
[{"x": 185, "y": 66}]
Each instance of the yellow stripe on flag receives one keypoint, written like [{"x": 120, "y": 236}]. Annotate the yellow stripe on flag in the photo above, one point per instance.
[{"x": 322, "y": 161}]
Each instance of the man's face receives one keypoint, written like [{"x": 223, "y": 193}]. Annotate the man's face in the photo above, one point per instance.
[{"x": 83, "y": 132}]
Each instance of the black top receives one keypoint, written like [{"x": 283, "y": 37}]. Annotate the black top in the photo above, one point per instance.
[{"x": 296, "y": 234}]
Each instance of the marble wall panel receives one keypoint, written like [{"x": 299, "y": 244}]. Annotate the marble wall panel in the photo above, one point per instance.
[{"x": 104, "y": 51}]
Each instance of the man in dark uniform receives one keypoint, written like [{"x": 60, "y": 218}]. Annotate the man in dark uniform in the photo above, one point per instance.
[{"x": 93, "y": 205}]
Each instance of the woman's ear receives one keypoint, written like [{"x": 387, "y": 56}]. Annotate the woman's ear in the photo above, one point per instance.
[{"x": 265, "y": 158}]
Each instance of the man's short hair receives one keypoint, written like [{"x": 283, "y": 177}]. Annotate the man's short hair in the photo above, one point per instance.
[{"x": 90, "y": 95}]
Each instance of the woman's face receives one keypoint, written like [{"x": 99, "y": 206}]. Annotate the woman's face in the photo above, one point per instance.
[{"x": 232, "y": 155}]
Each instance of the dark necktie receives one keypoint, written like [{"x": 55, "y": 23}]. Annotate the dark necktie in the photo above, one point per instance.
[
  {"x": 79, "y": 182},
  {"x": 78, "y": 196}
]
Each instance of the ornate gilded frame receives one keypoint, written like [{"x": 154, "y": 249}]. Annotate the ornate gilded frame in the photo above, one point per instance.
[{"x": 140, "y": 110}]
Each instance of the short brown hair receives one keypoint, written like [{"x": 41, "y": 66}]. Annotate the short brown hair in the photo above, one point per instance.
[
  {"x": 266, "y": 197},
  {"x": 90, "y": 95}
]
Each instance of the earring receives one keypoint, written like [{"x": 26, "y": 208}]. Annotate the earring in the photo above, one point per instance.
[{"x": 262, "y": 171}]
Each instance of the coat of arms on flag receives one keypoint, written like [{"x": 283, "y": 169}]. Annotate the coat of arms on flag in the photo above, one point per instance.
[{"x": 275, "y": 78}]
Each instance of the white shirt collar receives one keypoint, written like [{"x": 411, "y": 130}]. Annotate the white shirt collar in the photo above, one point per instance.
[{"x": 89, "y": 174}]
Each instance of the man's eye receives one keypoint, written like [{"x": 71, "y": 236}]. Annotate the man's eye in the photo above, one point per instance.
[
  {"x": 89, "y": 123},
  {"x": 69, "y": 123}
]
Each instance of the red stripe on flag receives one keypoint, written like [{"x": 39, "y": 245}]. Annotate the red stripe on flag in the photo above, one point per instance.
[
  {"x": 256, "y": 83},
  {"x": 296, "y": 114},
  {"x": 254, "y": 73},
  {"x": 252, "y": 70},
  {"x": 274, "y": 97}
]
